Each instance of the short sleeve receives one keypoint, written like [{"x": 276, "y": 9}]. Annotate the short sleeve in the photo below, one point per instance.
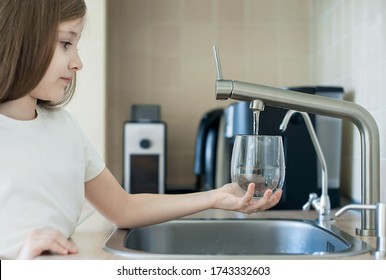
[{"x": 94, "y": 164}]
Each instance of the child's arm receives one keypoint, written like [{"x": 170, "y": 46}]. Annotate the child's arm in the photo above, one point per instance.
[{"x": 134, "y": 210}]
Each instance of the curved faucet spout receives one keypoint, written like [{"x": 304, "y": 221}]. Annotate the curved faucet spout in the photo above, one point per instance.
[
  {"x": 367, "y": 126},
  {"x": 325, "y": 205}
]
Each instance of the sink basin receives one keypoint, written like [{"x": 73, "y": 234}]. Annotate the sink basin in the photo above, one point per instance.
[{"x": 236, "y": 238}]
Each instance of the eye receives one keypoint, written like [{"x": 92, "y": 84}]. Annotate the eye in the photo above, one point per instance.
[{"x": 66, "y": 44}]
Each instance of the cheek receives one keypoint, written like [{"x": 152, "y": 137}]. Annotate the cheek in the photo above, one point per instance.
[{"x": 49, "y": 89}]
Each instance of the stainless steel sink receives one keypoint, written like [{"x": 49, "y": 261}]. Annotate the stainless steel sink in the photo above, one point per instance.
[{"x": 241, "y": 239}]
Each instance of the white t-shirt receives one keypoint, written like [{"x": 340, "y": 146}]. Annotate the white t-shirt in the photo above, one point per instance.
[{"x": 44, "y": 164}]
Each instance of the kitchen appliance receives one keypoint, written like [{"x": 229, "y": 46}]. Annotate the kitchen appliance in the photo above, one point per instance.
[
  {"x": 144, "y": 158},
  {"x": 206, "y": 150},
  {"x": 303, "y": 174}
]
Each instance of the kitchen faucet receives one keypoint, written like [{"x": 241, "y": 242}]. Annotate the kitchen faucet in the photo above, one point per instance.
[
  {"x": 322, "y": 204},
  {"x": 380, "y": 215},
  {"x": 367, "y": 126}
]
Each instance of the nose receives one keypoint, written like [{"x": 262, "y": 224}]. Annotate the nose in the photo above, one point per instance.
[{"x": 76, "y": 63}]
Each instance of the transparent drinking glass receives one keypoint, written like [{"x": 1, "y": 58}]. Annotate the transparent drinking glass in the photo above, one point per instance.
[{"x": 258, "y": 159}]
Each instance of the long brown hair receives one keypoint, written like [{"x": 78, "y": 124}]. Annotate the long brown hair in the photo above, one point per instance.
[{"x": 28, "y": 31}]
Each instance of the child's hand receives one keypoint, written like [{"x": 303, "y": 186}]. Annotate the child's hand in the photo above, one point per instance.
[
  {"x": 47, "y": 239},
  {"x": 232, "y": 197}
]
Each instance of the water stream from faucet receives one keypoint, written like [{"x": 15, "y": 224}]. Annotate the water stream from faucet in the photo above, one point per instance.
[{"x": 256, "y": 118}]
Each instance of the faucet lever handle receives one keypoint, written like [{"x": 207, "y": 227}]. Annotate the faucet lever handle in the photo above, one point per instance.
[
  {"x": 217, "y": 63},
  {"x": 355, "y": 207},
  {"x": 380, "y": 226},
  {"x": 311, "y": 198}
]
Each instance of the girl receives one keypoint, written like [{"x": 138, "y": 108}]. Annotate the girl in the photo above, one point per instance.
[{"x": 47, "y": 166}]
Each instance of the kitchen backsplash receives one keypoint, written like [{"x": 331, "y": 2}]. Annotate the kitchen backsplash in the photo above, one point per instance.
[
  {"x": 159, "y": 52},
  {"x": 348, "y": 42}
]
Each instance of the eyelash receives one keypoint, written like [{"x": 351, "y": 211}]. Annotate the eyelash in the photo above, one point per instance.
[{"x": 66, "y": 44}]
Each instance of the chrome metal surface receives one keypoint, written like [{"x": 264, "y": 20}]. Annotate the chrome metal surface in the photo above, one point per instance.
[
  {"x": 380, "y": 214},
  {"x": 312, "y": 201},
  {"x": 323, "y": 205},
  {"x": 237, "y": 239},
  {"x": 366, "y": 124},
  {"x": 256, "y": 105}
]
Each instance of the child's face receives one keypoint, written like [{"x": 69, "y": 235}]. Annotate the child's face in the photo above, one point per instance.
[{"x": 64, "y": 63}]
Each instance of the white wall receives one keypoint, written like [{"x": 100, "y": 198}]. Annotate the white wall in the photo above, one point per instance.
[
  {"x": 88, "y": 104},
  {"x": 350, "y": 50}
]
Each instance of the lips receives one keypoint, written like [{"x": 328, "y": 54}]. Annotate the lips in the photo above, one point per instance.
[{"x": 68, "y": 80}]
